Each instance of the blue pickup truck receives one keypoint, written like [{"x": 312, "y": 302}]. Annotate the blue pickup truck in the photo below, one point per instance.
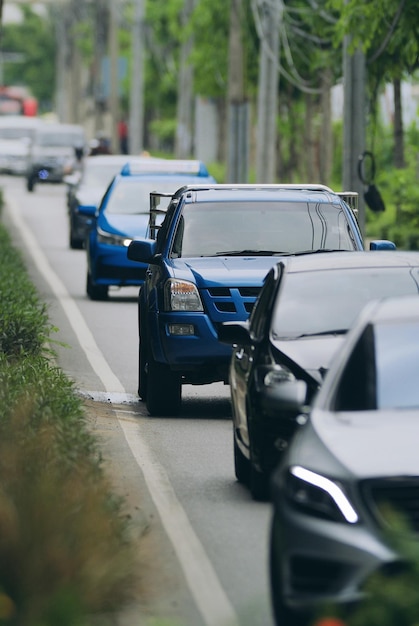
[{"x": 207, "y": 259}]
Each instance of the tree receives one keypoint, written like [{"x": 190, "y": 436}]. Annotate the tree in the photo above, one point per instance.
[{"x": 34, "y": 39}]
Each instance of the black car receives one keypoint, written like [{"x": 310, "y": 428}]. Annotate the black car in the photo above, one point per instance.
[
  {"x": 349, "y": 482},
  {"x": 305, "y": 308},
  {"x": 87, "y": 190}
]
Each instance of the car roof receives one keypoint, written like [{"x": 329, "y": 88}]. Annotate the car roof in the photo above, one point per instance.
[
  {"x": 249, "y": 192},
  {"x": 356, "y": 259}
]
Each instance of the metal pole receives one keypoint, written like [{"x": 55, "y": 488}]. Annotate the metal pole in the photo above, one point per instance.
[
  {"x": 354, "y": 123},
  {"x": 114, "y": 83},
  {"x": 136, "y": 119}
]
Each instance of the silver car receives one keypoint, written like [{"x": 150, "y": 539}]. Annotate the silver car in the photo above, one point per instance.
[{"x": 353, "y": 462}]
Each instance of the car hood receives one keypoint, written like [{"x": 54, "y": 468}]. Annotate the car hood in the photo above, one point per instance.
[
  {"x": 371, "y": 443},
  {"x": 133, "y": 226},
  {"x": 311, "y": 355},
  {"x": 223, "y": 271}
]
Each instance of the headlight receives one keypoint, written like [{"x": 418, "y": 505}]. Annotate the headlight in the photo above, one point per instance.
[
  {"x": 111, "y": 239},
  {"x": 181, "y": 295},
  {"x": 319, "y": 496}
]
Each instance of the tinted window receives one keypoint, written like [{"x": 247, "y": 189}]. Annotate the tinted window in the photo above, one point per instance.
[
  {"x": 214, "y": 228},
  {"x": 317, "y": 302},
  {"x": 397, "y": 365}
]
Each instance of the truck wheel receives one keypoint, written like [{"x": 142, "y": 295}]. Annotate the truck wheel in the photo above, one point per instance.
[
  {"x": 142, "y": 364},
  {"x": 164, "y": 389},
  {"x": 241, "y": 465},
  {"x": 95, "y": 292}
]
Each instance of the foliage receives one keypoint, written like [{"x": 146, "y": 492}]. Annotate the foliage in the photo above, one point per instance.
[
  {"x": 24, "y": 324},
  {"x": 66, "y": 548},
  {"x": 400, "y": 191},
  {"x": 34, "y": 39}
]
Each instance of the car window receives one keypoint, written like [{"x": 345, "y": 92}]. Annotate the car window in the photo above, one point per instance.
[
  {"x": 212, "y": 228},
  {"x": 397, "y": 365},
  {"x": 261, "y": 312},
  {"x": 317, "y": 302}
]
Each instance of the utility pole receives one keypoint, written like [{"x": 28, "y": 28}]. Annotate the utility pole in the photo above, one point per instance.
[
  {"x": 354, "y": 123},
  {"x": 238, "y": 107},
  {"x": 271, "y": 15},
  {"x": 136, "y": 118},
  {"x": 113, "y": 72},
  {"x": 183, "y": 146}
]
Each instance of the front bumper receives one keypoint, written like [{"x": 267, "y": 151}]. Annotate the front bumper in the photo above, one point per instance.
[
  {"x": 324, "y": 562},
  {"x": 110, "y": 266}
]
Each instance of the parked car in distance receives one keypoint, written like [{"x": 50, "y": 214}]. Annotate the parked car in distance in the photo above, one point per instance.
[
  {"x": 123, "y": 215},
  {"x": 207, "y": 266},
  {"x": 306, "y": 306},
  {"x": 351, "y": 470},
  {"x": 86, "y": 189},
  {"x": 55, "y": 150},
  {"x": 16, "y": 134}
]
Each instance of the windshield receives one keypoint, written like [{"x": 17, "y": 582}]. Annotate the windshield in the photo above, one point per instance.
[
  {"x": 100, "y": 175},
  {"x": 265, "y": 227},
  {"x": 132, "y": 195},
  {"x": 60, "y": 139},
  {"x": 16, "y": 133},
  {"x": 311, "y": 303}
]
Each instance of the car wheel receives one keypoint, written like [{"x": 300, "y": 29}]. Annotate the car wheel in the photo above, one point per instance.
[
  {"x": 75, "y": 244},
  {"x": 283, "y": 615},
  {"x": 30, "y": 183},
  {"x": 259, "y": 484},
  {"x": 241, "y": 465},
  {"x": 95, "y": 292},
  {"x": 142, "y": 364},
  {"x": 164, "y": 389}
]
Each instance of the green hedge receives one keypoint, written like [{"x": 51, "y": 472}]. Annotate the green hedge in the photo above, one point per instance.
[{"x": 66, "y": 553}]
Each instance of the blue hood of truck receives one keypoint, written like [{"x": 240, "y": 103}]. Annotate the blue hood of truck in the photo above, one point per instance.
[{"x": 219, "y": 271}]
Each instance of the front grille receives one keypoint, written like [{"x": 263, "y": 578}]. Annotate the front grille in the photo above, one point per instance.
[
  {"x": 229, "y": 303},
  {"x": 388, "y": 499}
]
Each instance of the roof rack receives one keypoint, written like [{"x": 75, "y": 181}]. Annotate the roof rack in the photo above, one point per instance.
[
  {"x": 163, "y": 166},
  {"x": 157, "y": 210}
]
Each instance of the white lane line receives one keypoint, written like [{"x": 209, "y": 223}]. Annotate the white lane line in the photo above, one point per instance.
[{"x": 210, "y": 598}]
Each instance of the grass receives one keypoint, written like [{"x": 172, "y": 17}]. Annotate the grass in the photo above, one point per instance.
[{"x": 66, "y": 550}]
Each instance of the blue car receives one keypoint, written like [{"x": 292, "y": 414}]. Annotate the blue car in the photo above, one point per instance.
[{"x": 123, "y": 216}]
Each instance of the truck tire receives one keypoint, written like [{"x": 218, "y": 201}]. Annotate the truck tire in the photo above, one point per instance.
[{"x": 164, "y": 389}]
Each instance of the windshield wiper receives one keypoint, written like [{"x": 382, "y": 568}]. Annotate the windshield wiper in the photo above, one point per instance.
[
  {"x": 301, "y": 252},
  {"x": 338, "y": 331},
  {"x": 250, "y": 252}
]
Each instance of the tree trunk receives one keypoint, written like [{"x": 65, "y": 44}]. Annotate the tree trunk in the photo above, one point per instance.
[{"x": 399, "y": 161}]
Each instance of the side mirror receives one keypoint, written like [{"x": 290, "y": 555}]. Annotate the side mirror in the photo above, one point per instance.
[
  {"x": 288, "y": 395},
  {"x": 142, "y": 250},
  {"x": 382, "y": 244}
]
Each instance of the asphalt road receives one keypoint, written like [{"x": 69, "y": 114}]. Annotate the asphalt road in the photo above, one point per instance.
[{"x": 203, "y": 540}]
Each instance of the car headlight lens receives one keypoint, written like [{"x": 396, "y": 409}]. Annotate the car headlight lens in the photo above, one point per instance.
[
  {"x": 319, "y": 496},
  {"x": 111, "y": 239},
  {"x": 181, "y": 295}
]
